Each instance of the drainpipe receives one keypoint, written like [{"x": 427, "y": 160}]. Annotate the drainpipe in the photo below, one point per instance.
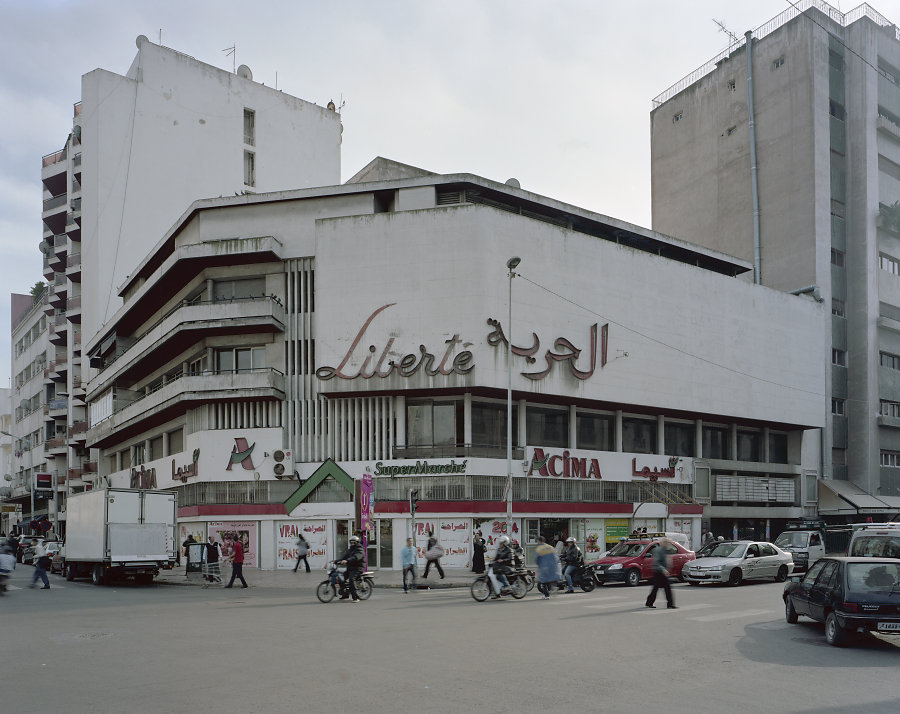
[
  {"x": 753, "y": 176},
  {"x": 813, "y": 290}
]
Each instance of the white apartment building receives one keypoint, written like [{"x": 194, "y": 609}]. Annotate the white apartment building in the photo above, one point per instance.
[
  {"x": 806, "y": 185},
  {"x": 274, "y": 349}
]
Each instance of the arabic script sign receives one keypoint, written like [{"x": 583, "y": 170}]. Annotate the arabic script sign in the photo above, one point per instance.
[{"x": 606, "y": 465}]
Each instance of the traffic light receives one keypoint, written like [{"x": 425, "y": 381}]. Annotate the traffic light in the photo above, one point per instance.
[{"x": 413, "y": 500}]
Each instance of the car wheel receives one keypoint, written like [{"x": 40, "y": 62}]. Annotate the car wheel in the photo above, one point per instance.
[
  {"x": 736, "y": 577},
  {"x": 633, "y": 577},
  {"x": 782, "y": 574},
  {"x": 691, "y": 582},
  {"x": 834, "y": 633},
  {"x": 790, "y": 614}
]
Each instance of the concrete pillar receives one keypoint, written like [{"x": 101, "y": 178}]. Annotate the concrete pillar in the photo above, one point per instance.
[
  {"x": 467, "y": 421},
  {"x": 523, "y": 424},
  {"x": 732, "y": 444},
  {"x": 618, "y": 434},
  {"x": 698, "y": 439},
  {"x": 660, "y": 434},
  {"x": 573, "y": 427},
  {"x": 400, "y": 416}
]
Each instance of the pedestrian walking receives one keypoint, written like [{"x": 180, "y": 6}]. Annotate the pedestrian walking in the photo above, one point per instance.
[
  {"x": 212, "y": 561},
  {"x": 661, "y": 575},
  {"x": 302, "y": 550},
  {"x": 572, "y": 558},
  {"x": 187, "y": 558},
  {"x": 408, "y": 559},
  {"x": 433, "y": 553},
  {"x": 7, "y": 565},
  {"x": 547, "y": 565},
  {"x": 41, "y": 564},
  {"x": 237, "y": 564},
  {"x": 479, "y": 546}
]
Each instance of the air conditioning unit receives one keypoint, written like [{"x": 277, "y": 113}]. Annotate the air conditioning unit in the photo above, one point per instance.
[{"x": 282, "y": 464}]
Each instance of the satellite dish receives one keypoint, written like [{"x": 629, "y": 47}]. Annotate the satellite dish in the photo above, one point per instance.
[
  {"x": 513, "y": 183},
  {"x": 140, "y": 40},
  {"x": 244, "y": 71}
]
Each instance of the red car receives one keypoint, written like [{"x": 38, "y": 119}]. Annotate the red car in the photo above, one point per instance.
[{"x": 631, "y": 561}]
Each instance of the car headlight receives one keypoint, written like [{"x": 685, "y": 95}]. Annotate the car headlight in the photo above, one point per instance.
[
  {"x": 716, "y": 568},
  {"x": 615, "y": 566}
]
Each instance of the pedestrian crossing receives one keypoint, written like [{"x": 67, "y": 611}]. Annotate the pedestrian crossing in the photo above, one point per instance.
[{"x": 633, "y": 604}]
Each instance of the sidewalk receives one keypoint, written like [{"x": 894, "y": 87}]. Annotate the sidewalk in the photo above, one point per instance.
[{"x": 287, "y": 579}]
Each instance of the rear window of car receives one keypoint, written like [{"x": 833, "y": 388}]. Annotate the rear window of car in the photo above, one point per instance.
[
  {"x": 876, "y": 546},
  {"x": 869, "y": 577}
]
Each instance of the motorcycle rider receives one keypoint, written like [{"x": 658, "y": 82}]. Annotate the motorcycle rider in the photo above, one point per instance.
[
  {"x": 518, "y": 554},
  {"x": 572, "y": 558},
  {"x": 502, "y": 560},
  {"x": 353, "y": 559}
]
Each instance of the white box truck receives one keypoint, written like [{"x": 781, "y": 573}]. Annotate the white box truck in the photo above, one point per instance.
[{"x": 120, "y": 532}]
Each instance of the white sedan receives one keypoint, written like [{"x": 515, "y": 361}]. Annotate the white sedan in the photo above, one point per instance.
[{"x": 733, "y": 561}]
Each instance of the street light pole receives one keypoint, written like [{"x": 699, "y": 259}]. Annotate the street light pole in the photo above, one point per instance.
[{"x": 511, "y": 265}]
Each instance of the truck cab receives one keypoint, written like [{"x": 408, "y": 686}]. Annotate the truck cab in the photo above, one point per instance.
[{"x": 805, "y": 546}]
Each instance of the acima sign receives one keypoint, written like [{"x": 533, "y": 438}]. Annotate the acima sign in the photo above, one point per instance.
[{"x": 606, "y": 466}]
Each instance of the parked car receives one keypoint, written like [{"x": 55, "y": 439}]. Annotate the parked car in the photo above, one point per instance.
[
  {"x": 806, "y": 546},
  {"x": 27, "y": 551},
  {"x": 631, "y": 561},
  {"x": 57, "y": 553},
  {"x": 875, "y": 540},
  {"x": 733, "y": 561},
  {"x": 849, "y": 595}
]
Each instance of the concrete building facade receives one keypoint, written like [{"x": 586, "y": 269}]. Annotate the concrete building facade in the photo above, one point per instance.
[
  {"x": 825, "y": 136},
  {"x": 278, "y": 354}
]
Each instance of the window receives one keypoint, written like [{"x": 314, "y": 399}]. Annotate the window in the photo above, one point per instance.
[
  {"x": 489, "y": 424},
  {"x": 890, "y": 458},
  {"x": 837, "y": 257},
  {"x": 839, "y": 457},
  {"x": 678, "y": 117},
  {"x": 838, "y": 358},
  {"x": 836, "y": 109},
  {"x": 837, "y": 307},
  {"x": 595, "y": 432},
  {"x": 890, "y": 361},
  {"x": 890, "y": 409},
  {"x": 431, "y": 423},
  {"x": 240, "y": 359},
  {"x": 176, "y": 441},
  {"x": 638, "y": 435},
  {"x": 778, "y": 62},
  {"x": 679, "y": 439},
  {"x": 715, "y": 442},
  {"x": 837, "y": 407},
  {"x": 249, "y": 127},
  {"x": 156, "y": 449},
  {"x": 249, "y": 168},
  {"x": 237, "y": 289},
  {"x": 197, "y": 366},
  {"x": 748, "y": 445},
  {"x": 888, "y": 264},
  {"x": 547, "y": 427},
  {"x": 778, "y": 449}
]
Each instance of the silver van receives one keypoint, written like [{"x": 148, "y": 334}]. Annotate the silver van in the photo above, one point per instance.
[{"x": 875, "y": 540}]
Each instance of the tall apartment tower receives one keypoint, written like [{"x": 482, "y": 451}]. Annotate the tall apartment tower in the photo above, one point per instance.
[
  {"x": 816, "y": 156},
  {"x": 143, "y": 147}
]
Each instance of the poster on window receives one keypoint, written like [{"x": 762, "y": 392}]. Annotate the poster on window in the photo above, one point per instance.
[
  {"x": 226, "y": 533},
  {"x": 420, "y": 534},
  {"x": 616, "y": 529},
  {"x": 287, "y": 533},
  {"x": 594, "y": 538},
  {"x": 455, "y": 535},
  {"x": 197, "y": 530},
  {"x": 491, "y": 530}
]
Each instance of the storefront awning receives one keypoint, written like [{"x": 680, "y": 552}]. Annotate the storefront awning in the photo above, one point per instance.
[{"x": 846, "y": 498}]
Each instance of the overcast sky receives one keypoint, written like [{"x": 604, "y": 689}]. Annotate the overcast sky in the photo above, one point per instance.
[{"x": 556, "y": 94}]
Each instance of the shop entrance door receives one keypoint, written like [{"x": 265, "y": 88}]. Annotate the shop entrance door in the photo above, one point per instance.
[
  {"x": 552, "y": 529},
  {"x": 380, "y": 550}
]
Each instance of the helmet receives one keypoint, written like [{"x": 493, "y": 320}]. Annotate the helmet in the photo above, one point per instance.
[
  {"x": 354, "y": 539},
  {"x": 515, "y": 542},
  {"x": 504, "y": 540},
  {"x": 570, "y": 539}
]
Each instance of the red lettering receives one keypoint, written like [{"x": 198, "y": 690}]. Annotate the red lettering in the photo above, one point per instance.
[
  {"x": 579, "y": 468},
  {"x": 595, "y": 469},
  {"x": 551, "y": 465}
]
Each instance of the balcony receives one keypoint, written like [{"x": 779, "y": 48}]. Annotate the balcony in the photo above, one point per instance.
[
  {"x": 73, "y": 226},
  {"x": 181, "y": 394},
  {"x": 58, "y": 407},
  {"x": 48, "y": 269},
  {"x": 78, "y": 433},
  {"x": 60, "y": 244},
  {"x": 74, "y": 473},
  {"x": 73, "y": 267},
  {"x": 54, "y": 214},
  {"x": 56, "y": 447},
  {"x": 89, "y": 467},
  {"x": 73, "y": 308},
  {"x": 183, "y": 326},
  {"x": 58, "y": 334},
  {"x": 55, "y": 202}
]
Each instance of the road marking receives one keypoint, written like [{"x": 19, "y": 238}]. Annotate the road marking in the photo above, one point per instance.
[
  {"x": 604, "y": 607},
  {"x": 695, "y": 606},
  {"x": 732, "y": 615}
]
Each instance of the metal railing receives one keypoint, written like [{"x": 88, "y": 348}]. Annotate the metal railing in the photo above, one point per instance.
[
  {"x": 234, "y": 492},
  {"x": 796, "y": 9},
  {"x": 55, "y": 202},
  {"x": 53, "y": 158}
]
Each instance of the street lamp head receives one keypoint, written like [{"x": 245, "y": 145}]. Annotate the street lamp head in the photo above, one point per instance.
[{"x": 513, "y": 262}]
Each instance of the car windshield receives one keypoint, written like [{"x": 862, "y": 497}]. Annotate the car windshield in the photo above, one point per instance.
[
  {"x": 726, "y": 550},
  {"x": 627, "y": 550},
  {"x": 792, "y": 540},
  {"x": 874, "y": 577}
]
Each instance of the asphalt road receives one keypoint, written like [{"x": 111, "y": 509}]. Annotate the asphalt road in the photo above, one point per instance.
[{"x": 81, "y": 648}]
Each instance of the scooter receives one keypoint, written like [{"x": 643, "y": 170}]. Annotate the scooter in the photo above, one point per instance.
[
  {"x": 583, "y": 577},
  {"x": 336, "y": 584},
  {"x": 488, "y": 584}
]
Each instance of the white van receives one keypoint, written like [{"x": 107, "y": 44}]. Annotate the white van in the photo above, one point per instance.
[
  {"x": 806, "y": 547},
  {"x": 875, "y": 540}
]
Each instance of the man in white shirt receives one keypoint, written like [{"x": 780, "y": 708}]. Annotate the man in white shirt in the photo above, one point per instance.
[{"x": 41, "y": 563}]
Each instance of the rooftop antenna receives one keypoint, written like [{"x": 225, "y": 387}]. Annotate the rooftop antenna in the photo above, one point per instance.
[
  {"x": 160, "y": 37},
  {"x": 232, "y": 51},
  {"x": 732, "y": 38}
]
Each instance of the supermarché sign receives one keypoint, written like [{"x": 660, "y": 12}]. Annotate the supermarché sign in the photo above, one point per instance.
[{"x": 420, "y": 468}]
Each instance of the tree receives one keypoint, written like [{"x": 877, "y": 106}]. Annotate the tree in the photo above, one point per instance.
[{"x": 37, "y": 290}]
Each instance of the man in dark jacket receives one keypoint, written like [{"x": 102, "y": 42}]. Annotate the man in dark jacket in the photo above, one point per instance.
[
  {"x": 354, "y": 559},
  {"x": 661, "y": 575},
  {"x": 571, "y": 558}
]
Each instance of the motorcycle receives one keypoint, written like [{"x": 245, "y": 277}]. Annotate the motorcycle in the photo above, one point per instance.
[
  {"x": 487, "y": 585},
  {"x": 584, "y": 578},
  {"x": 336, "y": 584}
]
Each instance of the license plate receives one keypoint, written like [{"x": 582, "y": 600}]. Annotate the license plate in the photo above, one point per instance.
[{"x": 889, "y": 626}]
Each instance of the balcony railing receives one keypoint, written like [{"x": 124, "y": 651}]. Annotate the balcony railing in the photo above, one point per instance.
[
  {"x": 58, "y": 443},
  {"x": 204, "y": 493},
  {"x": 73, "y": 303},
  {"x": 78, "y": 427},
  {"x": 55, "y": 202},
  {"x": 53, "y": 158},
  {"x": 73, "y": 259},
  {"x": 89, "y": 467}
]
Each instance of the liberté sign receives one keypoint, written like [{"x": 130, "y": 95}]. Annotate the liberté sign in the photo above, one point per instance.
[{"x": 381, "y": 361}]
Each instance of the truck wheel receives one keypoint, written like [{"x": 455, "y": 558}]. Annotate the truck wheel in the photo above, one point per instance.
[
  {"x": 633, "y": 577},
  {"x": 97, "y": 575},
  {"x": 71, "y": 571}
]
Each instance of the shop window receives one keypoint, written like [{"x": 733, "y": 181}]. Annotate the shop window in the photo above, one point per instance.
[
  {"x": 595, "y": 432},
  {"x": 431, "y": 423},
  {"x": 748, "y": 443},
  {"x": 489, "y": 424},
  {"x": 547, "y": 427},
  {"x": 778, "y": 449},
  {"x": 638, "y": 435},
  {"x": 679, "y": 439},
  {"x": 156, "y": 449}
]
